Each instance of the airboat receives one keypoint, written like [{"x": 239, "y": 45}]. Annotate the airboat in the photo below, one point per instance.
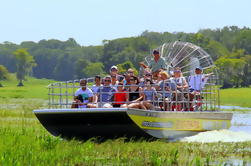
[{"x": 105, "y": 123}]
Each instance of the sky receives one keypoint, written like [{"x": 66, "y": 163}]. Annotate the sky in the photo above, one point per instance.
[{"x": 90, "y": 22}]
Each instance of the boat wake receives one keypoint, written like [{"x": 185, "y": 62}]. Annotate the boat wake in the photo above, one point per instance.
[{"x": 219, "y": 136}]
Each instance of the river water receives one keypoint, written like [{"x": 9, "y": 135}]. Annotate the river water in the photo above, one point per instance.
[
  {"x": 239, "y": 131},
  {"x": 234, "y": 107}
]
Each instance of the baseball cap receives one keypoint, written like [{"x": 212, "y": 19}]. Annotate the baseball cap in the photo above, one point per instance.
[{"x": 114, "y": 67}]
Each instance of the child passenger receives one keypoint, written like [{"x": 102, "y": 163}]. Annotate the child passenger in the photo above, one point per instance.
[{"x": 121, "y": 96}]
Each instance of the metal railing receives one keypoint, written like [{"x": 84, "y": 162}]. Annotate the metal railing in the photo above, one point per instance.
[{"x": 61, "y": 95}]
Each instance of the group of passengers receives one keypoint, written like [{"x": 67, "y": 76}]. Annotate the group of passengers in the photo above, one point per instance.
[{"x": 155, "y": 88}]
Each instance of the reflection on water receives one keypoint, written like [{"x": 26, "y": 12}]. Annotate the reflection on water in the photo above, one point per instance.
[{"x": 239, "y": 131}]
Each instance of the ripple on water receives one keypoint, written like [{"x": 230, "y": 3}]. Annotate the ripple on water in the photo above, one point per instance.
[{"x": 219, "y": 136}]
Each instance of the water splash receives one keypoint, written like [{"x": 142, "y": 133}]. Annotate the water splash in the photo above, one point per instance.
[{"x": 219, "y": 136}]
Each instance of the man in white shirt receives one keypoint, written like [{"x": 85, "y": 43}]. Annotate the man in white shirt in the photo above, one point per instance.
[
  {"x": 197, "y": 82},
  {"x": 83, "y": 96}
]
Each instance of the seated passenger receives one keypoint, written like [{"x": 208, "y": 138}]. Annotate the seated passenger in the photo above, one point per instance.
[
  {"x": 147, "y": 76},
  {"x": 114, "y": 82},
  {"x": 135, "y": 95},
  {"x": 168, "y": 89},
  {"x": 121, "y": 79},
  {"x": 83, "y": 96},
  {"x": 180, "y": 81},
  {"x": 130, "y": 72},
  {"x": 127, "y": 75},
  {"x": 167, "y": 95},
  {"x": 149, "y": 95},
  {"x": 97, "y": 84},
  {"x": 121, "y": 96},
  {"x": 165, "y": 78},
  {"x": 114, "y": 70},
  {"x": 182, "y": 87},
  {"x": 106, "y": 93},
  {"x": 95, "y": 87}
]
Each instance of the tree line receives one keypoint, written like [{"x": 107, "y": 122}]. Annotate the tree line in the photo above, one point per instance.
[{"x": 64, "y": 60}]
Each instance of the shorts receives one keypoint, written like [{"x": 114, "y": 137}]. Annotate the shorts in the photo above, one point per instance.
[{"x": 104, "y": 105}]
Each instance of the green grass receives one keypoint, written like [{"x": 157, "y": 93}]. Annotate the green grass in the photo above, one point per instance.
[
  {"x": 33, "y": 88},
  {"x": 236, "y": 97},
  {"x": 24, "y": 141}
]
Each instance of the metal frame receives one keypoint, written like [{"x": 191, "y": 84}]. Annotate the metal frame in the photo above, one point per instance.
[{"x": 61, "y": 96}]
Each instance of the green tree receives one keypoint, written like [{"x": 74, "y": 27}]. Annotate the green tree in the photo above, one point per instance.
[
  {"x": 216, "y": 50},
  {"x": 25, "y": 63},
  {"x": 199, "y": 39},
  {"x": 6, "y": 57},
  {"x": 231, "y": 71},
  {"x": 243, "y": 41},
  {"x": 123, "y": 67},
  {"x": 3, "y": 73},
  {"x": 64, "y": 69},
  {"x": 80, "y": 64},
  {"x": 247, "y": 71},
  {"x": 93, "y": 69}
]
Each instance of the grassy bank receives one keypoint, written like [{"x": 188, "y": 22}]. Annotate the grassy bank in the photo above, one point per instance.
[
  {"x": 33, "y": 88},
  {"x": 236, "y": 97}
]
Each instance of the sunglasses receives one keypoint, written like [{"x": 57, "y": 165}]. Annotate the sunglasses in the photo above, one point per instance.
[
  {"x": 148, "y": 75},
  {"x": 107, "y": 80}
]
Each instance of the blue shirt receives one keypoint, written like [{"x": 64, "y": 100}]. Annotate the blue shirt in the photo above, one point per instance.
[
  {"x": 150, "y": 94},
  {"x": 105, "y": 94},
  {"x": 168, "y": 83}
]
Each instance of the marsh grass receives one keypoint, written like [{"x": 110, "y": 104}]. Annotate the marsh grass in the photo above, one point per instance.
[{"x": 24, "y": 141}]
